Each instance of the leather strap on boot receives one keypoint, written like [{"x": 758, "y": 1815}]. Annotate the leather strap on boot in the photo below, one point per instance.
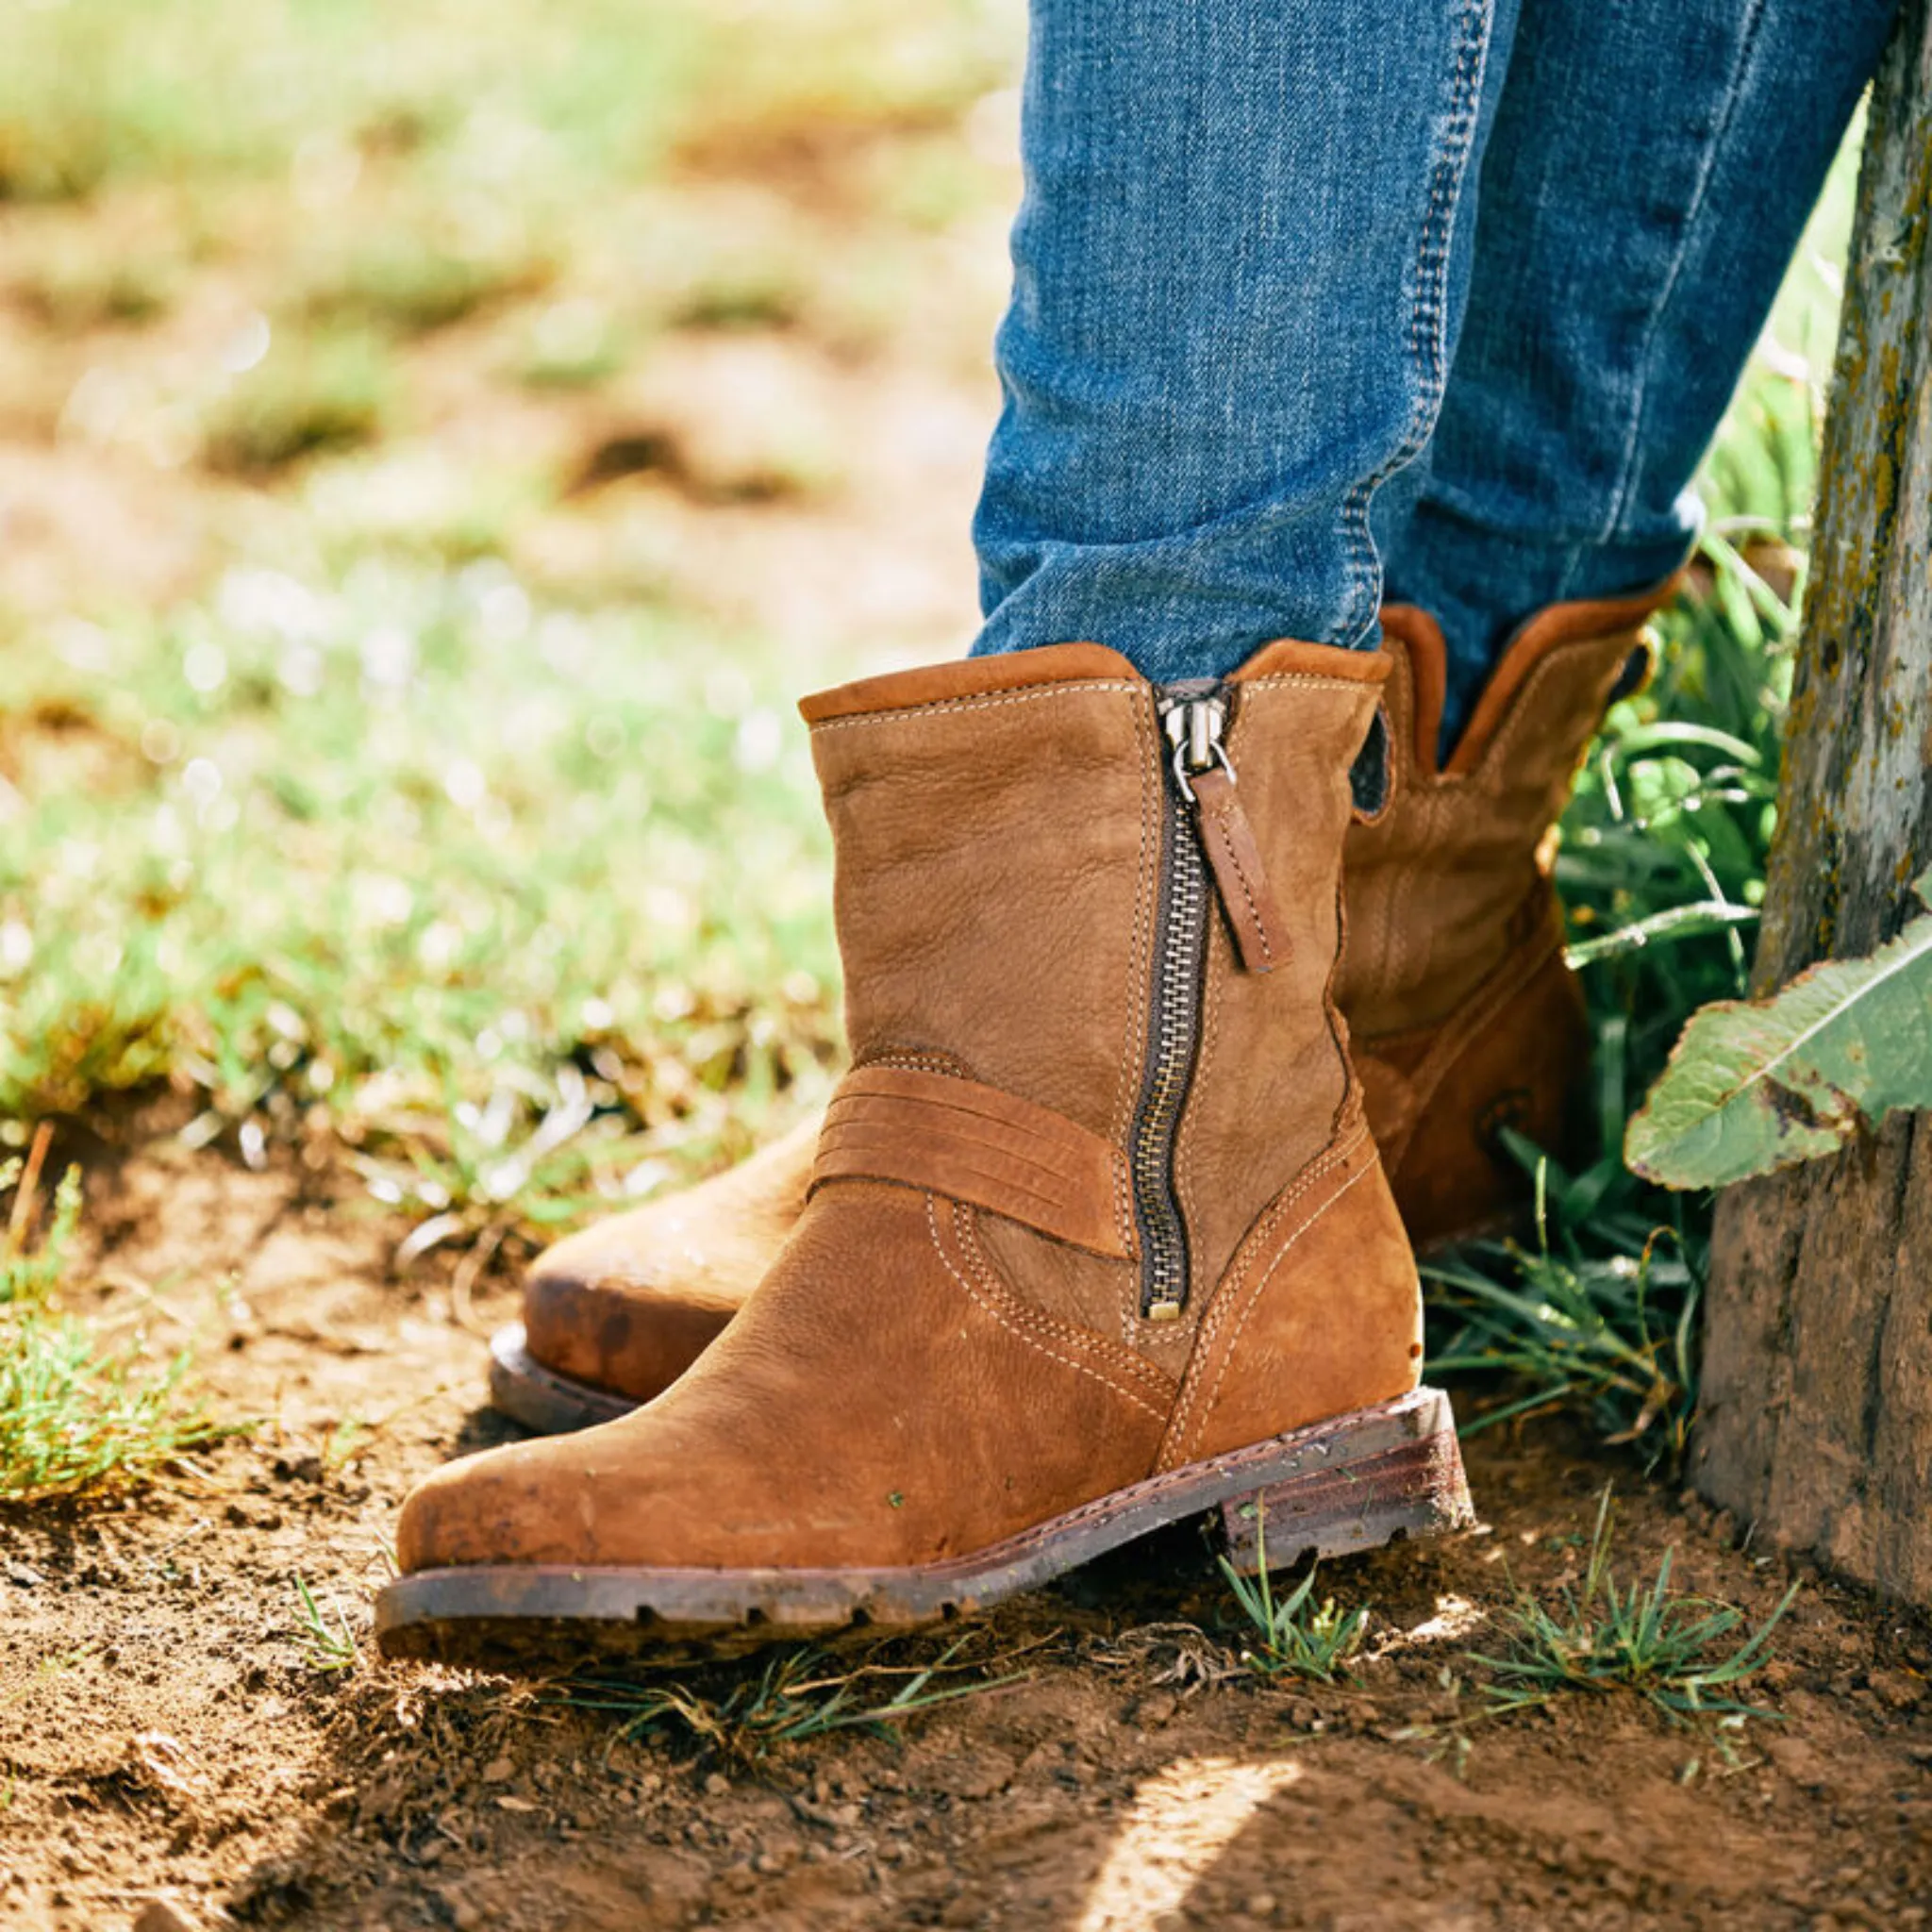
[{"x": 974, "y": 1143}]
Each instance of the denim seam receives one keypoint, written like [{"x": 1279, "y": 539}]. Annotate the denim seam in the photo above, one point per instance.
[
  {"x": 1428, "y": 314},
  {"x": 1700, "y": 194}
]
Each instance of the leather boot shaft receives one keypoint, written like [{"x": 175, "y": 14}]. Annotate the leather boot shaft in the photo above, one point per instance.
[
  {"x": 1437, "y": 882},
  {"x": 1466, "y": 1020},
  {"x": 1026, "y": 824}
]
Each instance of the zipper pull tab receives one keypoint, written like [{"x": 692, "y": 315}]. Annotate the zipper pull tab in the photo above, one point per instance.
[{"x": 1206, "y": 775}]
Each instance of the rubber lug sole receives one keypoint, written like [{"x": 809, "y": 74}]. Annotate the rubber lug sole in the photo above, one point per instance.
[
  {"x": 539, "y": 1398},
  {"x": 1353, "y": 1483}
]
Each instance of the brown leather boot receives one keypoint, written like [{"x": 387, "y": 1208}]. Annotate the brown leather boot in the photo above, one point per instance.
[
  {"x": 1465, "y": 1016},
  {"x": 1097, "y": 1238},
  {"x": 1452, "y": 979}
]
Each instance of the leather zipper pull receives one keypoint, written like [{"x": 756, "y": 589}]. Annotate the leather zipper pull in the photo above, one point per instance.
[
  {"x": 1235, "y": 857},
  {"x": 1207, "y": 778}
]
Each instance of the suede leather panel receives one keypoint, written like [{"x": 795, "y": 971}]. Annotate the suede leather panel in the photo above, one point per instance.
[
  {"x": 1400, "y": 1071},
  {"x": 1432, "y": 881},
  {"x": 1540, "y": 638},
  {"x": 883, "y": 1400},
  {"x": 629, "y": 1303},
  {"x": 1319, "y": 1313},
  {"x": 1464, "y": 1015},
  {"x": 631, "y": 1339},
  {"x": 1084, "y": 1288},
  {"x": 995, "y": 861},
  {"x": 1514, "y": 1056},
  {"x": 1271, "y": 1073}
]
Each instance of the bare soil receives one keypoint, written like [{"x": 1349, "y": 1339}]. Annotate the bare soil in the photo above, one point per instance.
[{"x": 163, "y": 1736}]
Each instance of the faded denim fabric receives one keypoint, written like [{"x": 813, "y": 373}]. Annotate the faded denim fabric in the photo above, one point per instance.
[
  {"x": 1270, "y": 255},
  {"x": 1649, "y": 175}
]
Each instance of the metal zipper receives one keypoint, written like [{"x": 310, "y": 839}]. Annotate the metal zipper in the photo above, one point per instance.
[{"x": 1192, "y": 715}]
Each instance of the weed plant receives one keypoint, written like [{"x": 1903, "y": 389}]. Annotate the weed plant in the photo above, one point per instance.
[
  {"x": 29, "y": 1272},
  {"x": 1296, "y": 1636},
  {"x": 324, "y": 1637},
  {"x": 76, "y": 1416},
  {"x": 743, "y": 1714},
  {"x": 1680, "y": 1653}
]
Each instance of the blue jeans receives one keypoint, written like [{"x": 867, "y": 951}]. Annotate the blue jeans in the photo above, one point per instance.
[{"x": 1316, "y": 299}]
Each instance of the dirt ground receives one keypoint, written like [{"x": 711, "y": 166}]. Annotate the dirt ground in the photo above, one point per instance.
[{"x": 164, "y": 1736}]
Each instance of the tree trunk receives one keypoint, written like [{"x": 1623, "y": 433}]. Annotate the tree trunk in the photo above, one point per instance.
[{"x": 1816, "y": 1412}]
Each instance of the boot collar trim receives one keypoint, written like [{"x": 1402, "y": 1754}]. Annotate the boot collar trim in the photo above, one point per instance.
[
  {"x": 1077, "y": 663},
  {"x": 970, "y": 678},
  {"x": 1546, "y": 631}
]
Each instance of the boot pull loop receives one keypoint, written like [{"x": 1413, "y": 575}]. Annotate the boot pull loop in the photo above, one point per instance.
[{"x": 1207, "y": 778}]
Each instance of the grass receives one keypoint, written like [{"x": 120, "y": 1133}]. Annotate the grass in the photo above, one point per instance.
[
  {"x": 367, "y": 177},
  {"x": 414, "y": 284},
  {"x": 1296, "y": 1636},
  {"x": 570, "y": 344},
  {"x": 1599, "y": 1314},
  {"x": 85, "y": 290},
  {"x": 500, "y": 906},
  {"x": 324, "y": 1637},
  {"x": 743, "y": 1713},
  {"x": 1682, "y": 1654},
  {"x": 318, "y": 394},
  {"x": 28, "y": 1273},
  {"x": 745, "y": 295},
  {"x": 96, "y": 94},
  {"x": 74, "y": 1415},
  {"x": 499, "y": 892}
]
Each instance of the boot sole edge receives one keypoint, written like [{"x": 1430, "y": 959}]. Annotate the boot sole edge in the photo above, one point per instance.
[
  {"x": 539, "y": 1398},
  {"x": 1353, "y": 1483}
]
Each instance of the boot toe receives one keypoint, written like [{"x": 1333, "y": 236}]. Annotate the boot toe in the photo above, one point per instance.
[
  {"x": 629, "y": 1320},
  {"x": 628, "y": 1304},
  {"x": 523, "y": 1504}
]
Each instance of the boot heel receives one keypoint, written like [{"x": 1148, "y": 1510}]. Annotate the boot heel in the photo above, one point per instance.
[{"x": 1375, "y": 1478}]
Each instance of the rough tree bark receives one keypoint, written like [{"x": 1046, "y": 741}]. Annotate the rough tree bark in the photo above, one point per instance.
[{"x": 1816, "y": 1417}]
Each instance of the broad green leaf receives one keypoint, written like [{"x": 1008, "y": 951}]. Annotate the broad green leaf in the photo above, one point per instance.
[{"x": 1756, "y": 1085}]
